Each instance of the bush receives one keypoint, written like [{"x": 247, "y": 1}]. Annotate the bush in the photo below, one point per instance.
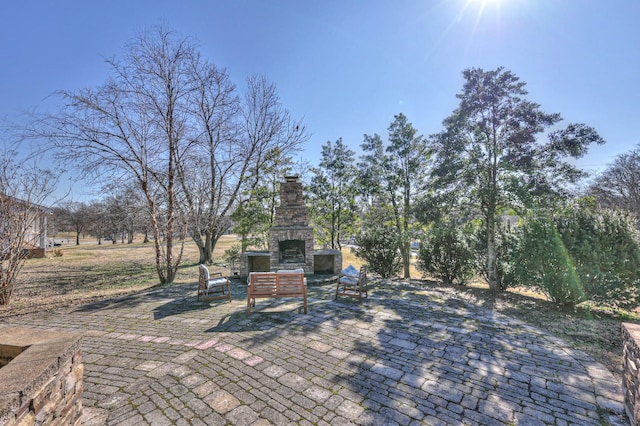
[
  {"x": 541, "y": 261},
  {"x": 581, "y": 254},
  {"x": 444, "y": 253},
  {"x": 378, "y": 245},
  {"x": 506, "y": 241},
  {"x": 605, "y": 250},
  {"x": 232, "y": 254}
]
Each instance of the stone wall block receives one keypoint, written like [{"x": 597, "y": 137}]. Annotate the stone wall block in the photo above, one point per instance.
[
  {"x": 43, "y": 384},
  {"x": 631, "y": 366}
]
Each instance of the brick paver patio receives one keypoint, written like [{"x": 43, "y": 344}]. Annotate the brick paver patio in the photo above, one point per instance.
[{"x": 404, "y": 356}]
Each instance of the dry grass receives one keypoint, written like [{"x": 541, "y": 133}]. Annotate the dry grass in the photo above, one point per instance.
[{"x": 90, "y": 271}]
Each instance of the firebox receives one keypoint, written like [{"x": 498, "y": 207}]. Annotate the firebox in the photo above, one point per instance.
[{"x": 291, "y": 251}]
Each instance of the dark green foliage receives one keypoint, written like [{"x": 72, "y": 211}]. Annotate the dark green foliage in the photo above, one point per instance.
[
  {"x": 581, "y": 254},
  {"x": 490, "y": 157},
  {"x": 332, "y": 192},
  {"x": 395, "y": 176},
  {"x": 604, "y": 246},
  {"x": 541, "y": 262},
  {"x": 378, "y": 244},
  {"x": 505, "y": 243},
  {"x": 445, "y": 254}
]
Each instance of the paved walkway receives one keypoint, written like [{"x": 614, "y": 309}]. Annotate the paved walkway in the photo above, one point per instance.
[{"x": 405, "y": 356}]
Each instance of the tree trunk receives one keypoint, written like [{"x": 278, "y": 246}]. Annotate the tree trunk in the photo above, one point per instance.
[
  {"x": 492, "y": 273},
  {"x": 243, "y": 242},
  {"x": 406, "y": 258},
  {"x": 208, "y": 249}
]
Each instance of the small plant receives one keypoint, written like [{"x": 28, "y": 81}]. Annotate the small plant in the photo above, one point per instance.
[
  {"x": 57, "y": 253},
  {"x": 232, "y": 254}
]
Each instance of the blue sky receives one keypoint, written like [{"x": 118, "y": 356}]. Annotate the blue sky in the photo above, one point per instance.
[{"x": 348, "y": 66}]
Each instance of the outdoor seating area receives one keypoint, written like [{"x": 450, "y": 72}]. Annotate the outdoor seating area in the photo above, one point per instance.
[{"x": 284, "y": 283}]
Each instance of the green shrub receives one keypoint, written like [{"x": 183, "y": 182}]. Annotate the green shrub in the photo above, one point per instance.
[
  {"x": 378, "y": 245},
  {"x": 232, "y": 254},
  {"x": 582, "y": 254},
  {"x": 605, "y": 250},
  {"x": 444, "y": 253},
  {"x": 540, "y": 261}
]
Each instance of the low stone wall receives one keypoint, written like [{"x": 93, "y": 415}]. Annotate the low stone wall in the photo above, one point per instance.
[
  {"x": 40, "y": 377},
  {"x": 631, "y": 371}
]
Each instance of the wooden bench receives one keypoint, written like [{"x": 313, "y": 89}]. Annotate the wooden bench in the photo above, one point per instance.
[{"x": 275, "y": 285}]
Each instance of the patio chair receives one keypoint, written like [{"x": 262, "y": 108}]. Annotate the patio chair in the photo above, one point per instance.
[
  {"x": 352, "y": 283},
  {"x": 214, "y": 288}
]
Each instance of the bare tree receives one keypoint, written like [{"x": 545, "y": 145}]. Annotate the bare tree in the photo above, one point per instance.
[
  {"x": 170, "y": 122},
  {"x": 98, "y": 220},
  {"x": 131, "y": 128},
  {"x": 23, "y": 192},
  {"x": 74, "y": 216},
  {"x": 618, "y": 186},
  {"x": 237, "y": 141}
]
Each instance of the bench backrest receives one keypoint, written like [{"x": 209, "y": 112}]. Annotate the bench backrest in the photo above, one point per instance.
[
  {"x": 263, "y": 284},
  {"x": 267, "y": 284},
  {"x": 290, "y": 283}
]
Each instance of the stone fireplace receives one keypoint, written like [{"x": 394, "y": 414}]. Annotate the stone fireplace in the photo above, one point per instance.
[
  {"x": 291, "y": 242},
  {"x": 291, "y": 239}
]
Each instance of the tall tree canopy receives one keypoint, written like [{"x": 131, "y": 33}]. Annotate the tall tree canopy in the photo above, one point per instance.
[
  {"x": 333, "y": 191},
  {"x": 394, "y": 175},
  {"x": 490, "y": 158},
  {"x": 171, "y": 122}
]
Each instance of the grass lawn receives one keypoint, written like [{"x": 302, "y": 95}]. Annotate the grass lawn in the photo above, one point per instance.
[{"x": 90, "y": 271}]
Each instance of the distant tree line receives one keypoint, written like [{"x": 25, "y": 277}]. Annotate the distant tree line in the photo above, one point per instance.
[{"x": 120, "y": 217}]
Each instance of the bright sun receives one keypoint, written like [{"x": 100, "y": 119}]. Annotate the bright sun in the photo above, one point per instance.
[
  {"x": 484, "y": 3},
  {"x": 484, "y": 6}
]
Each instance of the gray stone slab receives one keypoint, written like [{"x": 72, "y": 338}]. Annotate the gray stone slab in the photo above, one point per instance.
[{"x": 404, "y": 356}]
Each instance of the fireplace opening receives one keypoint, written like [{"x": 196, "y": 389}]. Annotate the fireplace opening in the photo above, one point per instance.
[
  {"x": 291, "y": 251},
  {"x": 9, "y": 352}
]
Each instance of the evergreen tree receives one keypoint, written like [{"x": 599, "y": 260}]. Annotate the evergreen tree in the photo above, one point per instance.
[
  {"x": 489, "y": 158},
  {"x": 395, "y": 176},
  {"x": 333, "y": 191}
]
